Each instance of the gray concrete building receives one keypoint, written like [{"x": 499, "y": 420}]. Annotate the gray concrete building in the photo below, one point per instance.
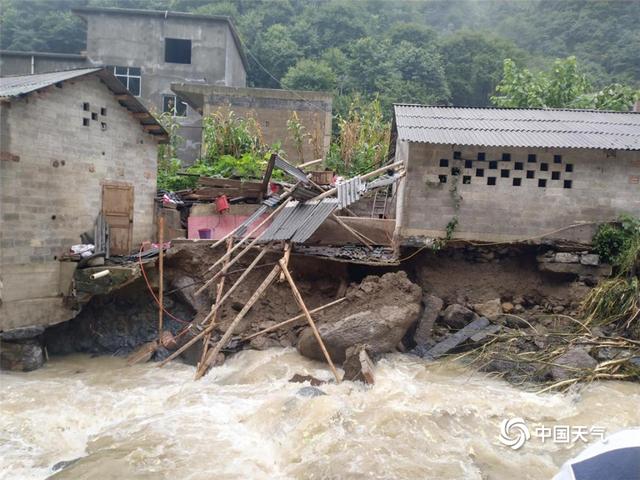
[
  {"x": 73, "y": 145},
  {"x": 510, "y": 175},
  {"x": 147, "y": 50}
]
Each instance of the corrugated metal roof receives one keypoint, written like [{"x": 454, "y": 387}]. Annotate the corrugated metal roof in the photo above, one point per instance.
[
  {"x": 20, "y": 85},
  {"x": 503, "y": 127},
  {"x": 298, "y": 221},
  {"x": 23, "y": 84}
]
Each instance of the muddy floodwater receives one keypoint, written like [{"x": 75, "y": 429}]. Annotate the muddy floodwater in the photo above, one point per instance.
[{"x": 245, "y": 420}]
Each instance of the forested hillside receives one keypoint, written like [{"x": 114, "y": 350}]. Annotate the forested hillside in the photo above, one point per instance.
[{"x": 427, "y": 52}]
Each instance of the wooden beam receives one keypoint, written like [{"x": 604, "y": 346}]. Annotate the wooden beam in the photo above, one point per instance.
[
  {"x": 241, "y": 314},
  {"x": 151, "y": 128},
  {"x": 122, "y": 96},
  {"x": 298, "y": 297},
  {"x": 293, "y": 319},
  {"x": 142, "y": 115}
]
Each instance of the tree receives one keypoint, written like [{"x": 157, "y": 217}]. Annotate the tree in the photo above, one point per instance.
[
  {"x": 310, "y": 75},
  {"x": 565, "y": 86},
  {"x": 277, "y": 52}
]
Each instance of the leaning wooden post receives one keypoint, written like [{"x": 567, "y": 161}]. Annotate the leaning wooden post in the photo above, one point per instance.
[
  {"x": 211, "y": 356},
  {"x": 213, "y": 311},
  {"x": 312, "y": 324},
  {"x": 161, "y": 275},
  {"x": 219, "y": 290}
]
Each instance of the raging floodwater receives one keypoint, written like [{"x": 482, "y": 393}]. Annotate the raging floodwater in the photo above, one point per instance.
[{"x": 245, "y": 420}]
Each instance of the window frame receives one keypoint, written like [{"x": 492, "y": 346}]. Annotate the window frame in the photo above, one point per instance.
[
  {"x": 128, "y": 76},
  {"x": 176, "y": 99},
  {"x": 178, "y": 40}
]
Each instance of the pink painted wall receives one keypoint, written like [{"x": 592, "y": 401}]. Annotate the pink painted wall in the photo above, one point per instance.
[{"x": 220, "y": 225}]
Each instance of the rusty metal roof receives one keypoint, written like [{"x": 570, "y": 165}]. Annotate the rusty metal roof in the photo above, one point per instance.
[
  {"x": 20, "y": 85},
  {"x": 504, "y": 127}
]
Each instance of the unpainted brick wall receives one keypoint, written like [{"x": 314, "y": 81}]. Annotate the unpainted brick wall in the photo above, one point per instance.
[
  {"x": 603, "y": 184},
  {"x": 53, "y": 193}
]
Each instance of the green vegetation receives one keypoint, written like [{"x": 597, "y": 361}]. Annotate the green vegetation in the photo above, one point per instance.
[
  {"x": 421, "y": 52},
  {"x": 617, "y": 300},
  {"x": 564, "y": 86}
]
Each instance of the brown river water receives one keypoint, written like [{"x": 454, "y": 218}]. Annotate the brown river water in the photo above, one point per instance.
[{"x": 245, "y": 420}]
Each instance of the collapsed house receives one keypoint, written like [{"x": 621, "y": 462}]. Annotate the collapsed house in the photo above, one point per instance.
[{"x": 79, "y": 154}]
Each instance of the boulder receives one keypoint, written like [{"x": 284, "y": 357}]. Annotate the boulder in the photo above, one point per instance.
[
  {"x": 457, "y": 317},
  {"x": 313, "y": 381},
  {"x": 566, "y": 257},
  {"x": 432, "y": 307},
  {"x": 21, "y": 355},
  {"x": 358, "y": 367},
  {"x": 490, "y": 309},
  {"x": 572, "y": 364},
  {"x": 21, "y": 333},
  {"x": 381, "y": 330},
  {"x": 590, "y": 259},
  {"x": 310, "y": 392},
  {"x": 508, "y": 307}
]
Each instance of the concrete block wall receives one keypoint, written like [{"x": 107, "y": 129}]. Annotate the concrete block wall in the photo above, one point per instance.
[
  {"x": 51, "y": 176},
  {"x": 603, "y": 184},
  {"x": 272, "y": 109}
]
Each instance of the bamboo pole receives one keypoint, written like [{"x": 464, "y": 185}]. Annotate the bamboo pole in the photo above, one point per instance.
[
  {"x": 307, "y": 314},
  {"x": 378, "y": 171},
  {"x": 293, "y": 319},
  {"x": 161, "y": 272},
  {"x": 241, "y": 314},
  {"x": 366, "y": 241},
  {"x": 213, "y": 311},
  {"x": 308, "y": 164},
  {"x": 287, "y": 255},
  {"x": 248, "y": 235},
  {"x": 219, "y": 290}
]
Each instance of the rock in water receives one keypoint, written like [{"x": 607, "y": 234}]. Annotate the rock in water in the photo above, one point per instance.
[
  {"x": 22, "y": 355},
  {"x": 381, "y": 330},
  {"x": 491, "y": 309},
  {"x": 457, "y": 317},
  {"x": 310, "y": 392},
  {"x": 572, "y": 364},
  {"x": 432, "y": 307},
  {"x": 358, "y": 367},
  {"x": 313, "y": 381}
]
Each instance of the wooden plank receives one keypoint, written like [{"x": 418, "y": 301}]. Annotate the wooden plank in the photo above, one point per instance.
[
  {"x": 241, "y": 314},
  {"x": 298, "y": 297},
  {"x": 452, "y": 341},
  {"x": 122, "y": 96},
  {"x": 151, "y": 128},
  {"x": 142, "y": 115}
]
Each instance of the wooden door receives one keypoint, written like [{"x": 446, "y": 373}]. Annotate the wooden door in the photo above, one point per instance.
[{"x": 117, "y": 207}]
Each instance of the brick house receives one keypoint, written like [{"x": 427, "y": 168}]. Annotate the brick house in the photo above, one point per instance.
[
  {"x": 509, "y": 175},
  {"x": 73, "y": 144}
]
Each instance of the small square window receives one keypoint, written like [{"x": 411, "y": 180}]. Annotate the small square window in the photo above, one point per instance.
[
  {"x": 567, "y": 184},
  {"x": 103, "y": 111},
  {"x": 555, "y": 175},
  {"x": 531, "y": 174},
  {"x": 506, "y": 157},
  {"x": 457, "y": 155},
  {"x": 479, "y": 172},
  {"x": 455, "y": 171},
  {"x": 491, "y": 180},
  {"x": 177, "y": 50},
  {"x": 481, "y": 156},
  {"x": 568, "y": 167},
  {"x": 518, "y": 166},
  {"x": 466, "y": 179},
  {"x": 517, "y": 182},
  {"x": 542, "y": 183},
  {"x": 557, "y": 159},
  {"x": 531, "y": 158},
  {"x": 85, "y": 122},
  {"x": 468, "y": 164},
  {"x": 442, "y": 178},
  {"x": 173, "y": 104},
  {"x": 103, "y": 126},
  {"x": 493, "y": 165},
  {"x": 86, "y": 106},
  {"x": 504, "y": 173},
  {"x": 544, "y": 167},
  {"x": 444, "y": 162},
  {"x": 94, "y": 115}
]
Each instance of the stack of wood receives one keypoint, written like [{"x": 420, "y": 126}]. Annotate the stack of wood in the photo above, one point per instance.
[{"x": 209, "y": 189}]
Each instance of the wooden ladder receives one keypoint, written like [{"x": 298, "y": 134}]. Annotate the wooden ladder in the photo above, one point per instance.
[{"x": 379, "y": 207}]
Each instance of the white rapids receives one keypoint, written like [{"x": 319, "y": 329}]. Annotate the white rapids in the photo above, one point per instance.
[{"x": 245, "y": 420}]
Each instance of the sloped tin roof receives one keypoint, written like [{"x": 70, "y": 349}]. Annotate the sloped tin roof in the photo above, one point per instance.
[
  {"x": 504, "y": 127},
  {"x": 20, "y": 85}
]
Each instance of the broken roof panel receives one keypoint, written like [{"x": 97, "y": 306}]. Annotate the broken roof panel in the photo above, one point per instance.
[
  {"x": 298, "y": 221},
  {"x": 23, "y": 84},
  {"x": 504, "y": 127}
]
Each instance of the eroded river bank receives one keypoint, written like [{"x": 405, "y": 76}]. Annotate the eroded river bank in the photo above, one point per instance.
[{"x": 246, "y": 420}]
